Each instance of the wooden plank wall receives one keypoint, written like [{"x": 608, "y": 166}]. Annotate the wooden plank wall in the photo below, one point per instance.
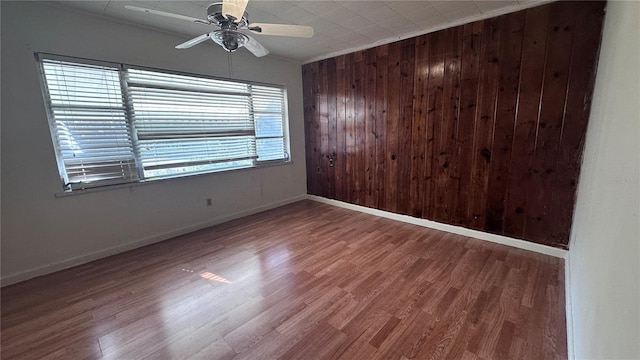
[{"x": 480, "y": 125}]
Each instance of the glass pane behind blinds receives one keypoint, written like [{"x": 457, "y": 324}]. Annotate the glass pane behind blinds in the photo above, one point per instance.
[
  {"x": 91, "y": 128},
  {"x": 186, "y": 124},
  {"x": 268, "y": 110}
]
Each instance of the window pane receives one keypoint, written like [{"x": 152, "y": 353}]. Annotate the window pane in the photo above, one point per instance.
[
  {"x": 268, "y": 111},
  {"x": 89, "y": 124},
  {"x": 271, "y": 149},
  {"x": 187, "y": 124},
  {"x": 82, "y": 85},
  {"x": 185, "y": 153},
  {"x": 268, "y": 125},
  {"x": 177, "y": 171}
]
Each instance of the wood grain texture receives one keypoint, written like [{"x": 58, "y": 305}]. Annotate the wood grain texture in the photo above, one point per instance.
[
  {"x": 309, "y": 103},
  {"x": 419, "y": 126},
  {"x": 403, "y": 156},
  {"x": 480, "y": 125},
  {"x": 381, "y": 54},
  {"x": 469, "y": 80},
  {"x": 484, "y": 124},
  {"x": 340, "y": 160},
  {"x": 332, "y": 122},
  {"x": 370, "y": 131},
  {"x": 323, "y": 120},
  {"x": 587, "y": 36},
  {"x": 508, "y": 86},
  {"x": 359, "y": 84},
  {"x": 445, "y": 161},
  {"x": 434, "y": 121},
  {"x": 524, "y": 137},
  {"x": 554, "y": 88},
  {"x": 304, "y": 281},
  {"x": 350, "y": 154},
  {"x": 393, "y": 124}
]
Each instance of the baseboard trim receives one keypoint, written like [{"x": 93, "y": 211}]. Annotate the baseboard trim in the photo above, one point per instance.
[
  {"x": 83, "y": 259},
  {"x": 499, "y": 239}
]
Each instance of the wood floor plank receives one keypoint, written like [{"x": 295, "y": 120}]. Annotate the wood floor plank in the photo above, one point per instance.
[
  {"x": 320, "y": 344},
  {"x": 303, "y": 281}
]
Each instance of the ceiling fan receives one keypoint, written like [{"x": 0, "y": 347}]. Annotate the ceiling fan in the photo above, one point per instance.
[{"x": 232, "y": 19}]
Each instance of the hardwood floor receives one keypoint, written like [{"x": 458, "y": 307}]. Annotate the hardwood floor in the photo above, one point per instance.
[{"x": 304, "y": 281}]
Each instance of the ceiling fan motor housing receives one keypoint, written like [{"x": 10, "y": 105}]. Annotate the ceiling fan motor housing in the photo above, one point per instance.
[{"x": 214, "y": 14}]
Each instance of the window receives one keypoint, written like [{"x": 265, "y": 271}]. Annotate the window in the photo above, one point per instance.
[{"x": 117, "y": 124}]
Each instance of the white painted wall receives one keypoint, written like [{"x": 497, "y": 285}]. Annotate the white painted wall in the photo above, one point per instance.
[
  {"x": 604, "y": 253},
  {"x": 42, "y": 233}
]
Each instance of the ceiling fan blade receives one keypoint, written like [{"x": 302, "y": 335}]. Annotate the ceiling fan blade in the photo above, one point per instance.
[
  {"x": 255, "y": 47},
  {"x": 282, "y": 30},
  {"x": 167, "y": 14},
  {"x": 234, "y": 8},
  {"x": 192, "y": 42}
]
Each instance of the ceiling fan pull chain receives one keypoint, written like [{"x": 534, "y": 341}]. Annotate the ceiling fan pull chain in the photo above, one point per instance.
[{"x": 230, "y": 64}]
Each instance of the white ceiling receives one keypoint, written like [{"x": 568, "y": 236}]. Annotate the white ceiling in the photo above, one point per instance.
[{"x": 340, "y": 26}]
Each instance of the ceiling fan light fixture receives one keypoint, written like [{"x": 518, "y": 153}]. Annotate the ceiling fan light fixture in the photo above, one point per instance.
[{"x": 230, "y": 40}]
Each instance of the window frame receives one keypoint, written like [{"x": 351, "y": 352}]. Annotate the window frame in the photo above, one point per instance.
[{"x": 122, "y": 69}]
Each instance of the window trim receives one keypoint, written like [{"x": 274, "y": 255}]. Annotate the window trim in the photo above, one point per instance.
[
  {"x": 132, "y": 185},
  {"x": 122, "y": 68}
]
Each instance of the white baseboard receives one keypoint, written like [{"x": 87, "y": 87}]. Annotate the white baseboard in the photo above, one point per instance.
[
  {"x": 83, "y": 259},
  {"x": 504, "y": 240}
]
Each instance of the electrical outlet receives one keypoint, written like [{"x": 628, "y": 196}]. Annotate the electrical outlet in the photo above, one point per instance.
[{"x": 209, "y": 202}]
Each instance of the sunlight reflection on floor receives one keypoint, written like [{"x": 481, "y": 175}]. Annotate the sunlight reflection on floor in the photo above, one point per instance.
[{"x": 210, "y": 276}]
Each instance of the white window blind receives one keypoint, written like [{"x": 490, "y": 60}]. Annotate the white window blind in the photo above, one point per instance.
[
  {"x": 93, "y": 144},
  {"x": 115, "y": 124},
  {"x": 268, "y": 111},
  {"x": 187, "y": 124}
]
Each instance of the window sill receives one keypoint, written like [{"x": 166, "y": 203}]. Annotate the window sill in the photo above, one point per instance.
[{"x": 132, "y": 186}]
